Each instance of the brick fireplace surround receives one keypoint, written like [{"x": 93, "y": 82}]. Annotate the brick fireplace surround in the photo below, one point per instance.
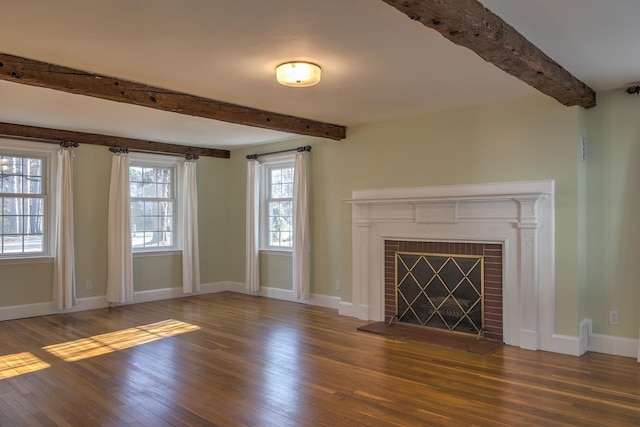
[
  {"x": 519, "y": 216},
  {"x": 492, "y": 294}
]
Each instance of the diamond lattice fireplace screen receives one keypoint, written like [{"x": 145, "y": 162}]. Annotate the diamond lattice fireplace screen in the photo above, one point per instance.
[{"x": 440, "y": 290}]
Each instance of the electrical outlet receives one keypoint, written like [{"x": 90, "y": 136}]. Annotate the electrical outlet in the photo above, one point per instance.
[
  {"x": 614, "y": 317},
  {"x": 338, "y": 285},
  {"x": 88, "y": 284}
]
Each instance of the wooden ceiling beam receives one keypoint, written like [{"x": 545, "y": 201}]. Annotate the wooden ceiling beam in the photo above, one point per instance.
[
  {"x": 468, "y": 23},
  {"x": 58, "y": 135},
  {"x": 35, "y": 73}
]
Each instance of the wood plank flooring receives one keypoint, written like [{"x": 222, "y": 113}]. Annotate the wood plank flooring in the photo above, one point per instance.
[{"x": 234, "y": 360}]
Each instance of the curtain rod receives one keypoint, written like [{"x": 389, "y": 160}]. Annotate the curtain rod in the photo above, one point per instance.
[
  {"x": 118, "y": 149},
  {"x": 35, "y": 139},
  {"x": 60, "y": 142},
  {"x": 298, "y": 149}
]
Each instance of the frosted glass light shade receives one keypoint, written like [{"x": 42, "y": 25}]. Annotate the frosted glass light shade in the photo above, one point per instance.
[{"x": 298, "y": 74}]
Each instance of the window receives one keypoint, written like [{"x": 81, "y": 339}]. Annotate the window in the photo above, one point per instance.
[
  {"x": 22, "y": 205},
  {"x": 25, "y": 226},
  {"x": 277, "y": 206},
  {"x": 153, "y": 204}
]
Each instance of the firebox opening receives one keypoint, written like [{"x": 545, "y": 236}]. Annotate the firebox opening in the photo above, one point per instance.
[{"x": 443, "y": 291}]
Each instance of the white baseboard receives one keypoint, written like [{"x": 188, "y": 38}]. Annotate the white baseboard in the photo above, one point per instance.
[
  {"x": 588, "y": 341},
  {"x": 616, "y": 346},
  {"x": 91, "y": 303},
  {"x": 238, "y": 287},
  {"x": 45, "y": 308},
  {"x": 346, "y": 308},
  {"x": 277, "y": 293},
  {"x": 607, "y": 344},
  {"x": 287, "y": 295},
  {"x": 30, "y": 310},
  {"x": 564, "y": 344},
  {"x": 528, "y": 339}
]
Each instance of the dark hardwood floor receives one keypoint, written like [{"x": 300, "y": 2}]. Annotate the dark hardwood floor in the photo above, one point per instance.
[{"x": 235, "y": 360}]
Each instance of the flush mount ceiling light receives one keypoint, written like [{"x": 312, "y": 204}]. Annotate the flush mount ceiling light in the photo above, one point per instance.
[{"x": 298, "y": 74}]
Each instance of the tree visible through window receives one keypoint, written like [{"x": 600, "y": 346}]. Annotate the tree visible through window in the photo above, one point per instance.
[
  {"x": 152, "y": 207},
  {"x": 22, "y": 200},
  {"x": 280, "y": 207}
]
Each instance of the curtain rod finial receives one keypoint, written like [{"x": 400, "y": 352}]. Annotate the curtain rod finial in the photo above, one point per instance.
[
  {"x": 299, "y": 150},
  {"x": 120, "y": 150}
]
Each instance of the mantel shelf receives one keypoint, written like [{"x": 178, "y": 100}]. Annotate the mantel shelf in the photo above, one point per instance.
[
  {"x": 531, "y": 190},
  {"x": 449, "y": 199}
]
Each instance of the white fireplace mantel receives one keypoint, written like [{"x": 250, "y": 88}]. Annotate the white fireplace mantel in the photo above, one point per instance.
[{"x": 519, "y": 215}]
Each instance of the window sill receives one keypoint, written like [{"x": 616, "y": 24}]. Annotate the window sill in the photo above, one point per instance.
[
  {"x": 277, "y": 252},
  {"x": 40, "y": 259},
  {"x": 145, "y": 254}
]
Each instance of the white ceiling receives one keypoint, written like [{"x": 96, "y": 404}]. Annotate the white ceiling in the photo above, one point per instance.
[{"x": 377, "y": 63}]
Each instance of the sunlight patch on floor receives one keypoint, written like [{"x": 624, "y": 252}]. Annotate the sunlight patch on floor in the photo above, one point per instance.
[
  {"x": 98, "y": 345},
  {"x": 16, "y": 364}
]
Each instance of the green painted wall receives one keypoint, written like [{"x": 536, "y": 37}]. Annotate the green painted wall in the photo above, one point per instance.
[
  {"x": 156, "y": 272},
  {"x": 28, "y": 283},
  {"x": 235, "y": 202},
  {"x": 276, "y": 271},
  {"x": 91, "y": 175},
  {"x": 613, "y": 180},
  {"x": 213, "y": 216}
]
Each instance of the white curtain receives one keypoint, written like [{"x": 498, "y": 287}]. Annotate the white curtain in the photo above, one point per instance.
[
  {"x": 190, "y": 251},
  {"x": 252, "y": 272},
  {"x": 119, "y": 258},
  {"x": 301, "y": 242},
  {"x": 64, "y": 278}
]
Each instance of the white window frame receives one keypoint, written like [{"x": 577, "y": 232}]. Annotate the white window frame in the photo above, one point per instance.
[
  {"x": 48, "y": 153},
  {"x": 177, "y": 164},
  {"x": 266, "y": 165}
]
